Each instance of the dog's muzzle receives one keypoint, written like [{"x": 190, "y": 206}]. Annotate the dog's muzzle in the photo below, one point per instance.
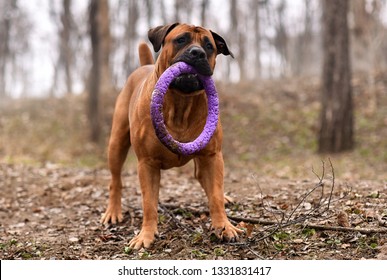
[
  {"x": 187, "y": 83},
  {"x": 196, "y": 57}
]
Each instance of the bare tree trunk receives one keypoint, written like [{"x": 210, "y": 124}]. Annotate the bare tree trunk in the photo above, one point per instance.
[
  {"x": 5, "y": 51},
  {"x": 163, "y": 12},
  {"x": 303, "y": 44},
  {"x": 203, "y": 15},
  {"x": 64, "y": 62},
  {"x": 67, "y": 53},
  {"x": 367, "y": 40},
  {"x": 255, "y": 6},
  {"x": 361, "y": 27},
  {"x": 106, "y": 42},
  {"x": 236, "y": 16},
  {"x": 242, "y": 55},
  {"x": 178, "y": 5},
  {"x": 95, "y": 73},
  {"x": 131, "y": 35},
  {"x": 150, "y": 13},
  {"x": 336, "y": 124},
  {"x": 281, "y": 38},
  {"x": 100, "y": 75}
]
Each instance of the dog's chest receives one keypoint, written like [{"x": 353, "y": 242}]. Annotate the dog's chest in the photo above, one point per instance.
[{"x": 184, "y": 116}]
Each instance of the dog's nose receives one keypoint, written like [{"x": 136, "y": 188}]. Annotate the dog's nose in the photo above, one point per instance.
[{"x": 197, "y": 52}]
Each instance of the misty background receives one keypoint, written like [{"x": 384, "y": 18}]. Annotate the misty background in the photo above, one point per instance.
[
  {"x": 45, "y": 50},
  {"x": 309, "y": 78}
]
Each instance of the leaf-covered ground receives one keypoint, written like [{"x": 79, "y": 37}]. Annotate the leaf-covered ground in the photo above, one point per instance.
[
  {"x": 53, "y": 213},
  {"x": 53, "y": 183}
]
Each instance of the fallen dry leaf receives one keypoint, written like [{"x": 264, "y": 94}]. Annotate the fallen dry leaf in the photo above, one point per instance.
[
  {"x": 383, "y": 253},
  {"x": 342, "y": 219},
  {"x": 370, "y": 215},
  {"x": 249, "y": 230},
  {"x": 383, "y": 220}
]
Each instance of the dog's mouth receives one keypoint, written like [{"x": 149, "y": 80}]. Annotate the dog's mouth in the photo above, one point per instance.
[{"x": 187, "y": 83}]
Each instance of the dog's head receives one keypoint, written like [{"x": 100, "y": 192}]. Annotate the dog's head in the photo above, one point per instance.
[{"x": 191, "y": 44}]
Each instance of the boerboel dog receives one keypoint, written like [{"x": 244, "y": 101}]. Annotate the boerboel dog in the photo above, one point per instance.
[{"x": 185, "y": 112}]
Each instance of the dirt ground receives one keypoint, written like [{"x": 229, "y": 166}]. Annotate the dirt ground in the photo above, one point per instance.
[
  {"x": 53, "y": 183},
  {"x": 53, "y": 213}
]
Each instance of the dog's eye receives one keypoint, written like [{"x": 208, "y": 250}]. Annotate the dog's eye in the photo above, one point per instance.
[
  {"x": 181, "y": 40},
  {"x": 209, "y": 46}
]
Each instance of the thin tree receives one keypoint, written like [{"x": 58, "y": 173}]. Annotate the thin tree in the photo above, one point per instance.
[
  {"x": 255, "y": 10},
  {"x": 304, "y": 43},
  {"x": 367, "y": 43},
  {"x": 131, "y": 60},
  {"x": 203, "y": 12},
  {"x": 336, "y": 123},
  {"x": 66, "y": 31},
  {"x": 178, "y": 7},
  {"x": 66, "y": 19},
  {"x": 281, "y": 36},
  {"x": 100, "y": 77},
  {"x": 7, "y": 9},
  {"x": 163, "y": 11},
  {"x": 149, "y": 5},
  {"x": 237, "y": 18}
]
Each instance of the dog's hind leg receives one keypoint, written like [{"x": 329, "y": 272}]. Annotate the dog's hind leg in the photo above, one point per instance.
[{"x": 119, "y": 145}]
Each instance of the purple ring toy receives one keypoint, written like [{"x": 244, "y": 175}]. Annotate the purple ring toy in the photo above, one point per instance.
[{"x": 157, "y": 117}]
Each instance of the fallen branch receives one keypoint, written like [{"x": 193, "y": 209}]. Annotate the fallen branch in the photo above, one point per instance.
[
  {"x": 312, "y": 226},
  {"x": 348, "y": 229},
  {"x": 257, "y": 221},
  {"x": 286, "y": 220},
  {"x": 252, "y": 220},
  {"x": 177, "y": 223}
]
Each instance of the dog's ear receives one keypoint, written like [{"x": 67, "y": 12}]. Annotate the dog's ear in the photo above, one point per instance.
[
  {"x": 221, "y": 45},
  {"x": 157, "y": 35}
]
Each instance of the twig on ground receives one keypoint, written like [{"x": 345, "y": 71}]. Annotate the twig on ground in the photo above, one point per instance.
[
  {"x": 165, "y": 209},
  {"x": 333, "y": 183},
  {"x": 319, "y": 209},
  {"x": 272, "y": 211},
  {"x": 313, "y": 226},
  {"x": 348, "y": 229},
  {"x": 323, "y": 206}
]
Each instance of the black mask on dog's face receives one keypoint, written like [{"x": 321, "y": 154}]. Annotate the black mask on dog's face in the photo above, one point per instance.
[{"x": 193, "y": 45}]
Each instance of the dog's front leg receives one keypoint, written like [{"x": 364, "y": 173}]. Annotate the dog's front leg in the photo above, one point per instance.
[
  {"x": 149, "y": 177},
  {"x": 209, "y": 172}
]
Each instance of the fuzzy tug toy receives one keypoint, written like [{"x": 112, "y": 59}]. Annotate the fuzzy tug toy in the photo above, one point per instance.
[{"x": 157, "y": 110}]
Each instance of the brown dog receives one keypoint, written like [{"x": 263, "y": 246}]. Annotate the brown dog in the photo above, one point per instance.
[{"x": 185, "y": 113}]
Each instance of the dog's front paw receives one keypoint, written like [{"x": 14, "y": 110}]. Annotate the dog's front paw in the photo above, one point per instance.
[
  {"x": 144, "y": 239},
  {"x": 113, "y": 214},
  {"x": 226, "y": 231}
]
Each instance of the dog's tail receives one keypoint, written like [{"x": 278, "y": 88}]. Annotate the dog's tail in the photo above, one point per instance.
[{"x": 145, "y": 54}]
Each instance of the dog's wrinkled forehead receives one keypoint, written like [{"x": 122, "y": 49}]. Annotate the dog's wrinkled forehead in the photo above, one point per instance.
[
  {"x": 195, "y": 33},
  {"x": 180, "y": 39},
  {"x": 162, "y": 35}
]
